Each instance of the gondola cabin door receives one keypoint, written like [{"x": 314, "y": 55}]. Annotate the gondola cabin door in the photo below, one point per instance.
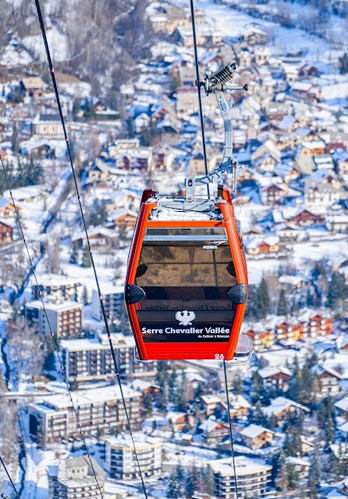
[{"x": 186, "y": 285}]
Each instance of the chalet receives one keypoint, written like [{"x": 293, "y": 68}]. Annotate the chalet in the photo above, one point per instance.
[
  {"x": 124, "y": 218},
  {"x": 187, "y": 76},
  {"x": 100, "y": 238},
  {"x": 266, "y": 246},
  {"x": 269, "y": 147},
  {"x": 213, "y": 431},
  {"x": 261, "y": 336},
  {"x": 203, "y": 31},
  {"x": 281, "y": 406},
  {"x": 246, "y": 177},
  {"x": 262, "y": 55},
  {"x": 301, "y": 89},
  {"x": 6, "y": 232},
  {"x": 311, "y": 148},
  {"x": 36, "y": 149},
  {"x": 140, "y": 158},
  {"x": 272, "y": 193},
  {"x": 305, "y": 218},
  {"x": 307, "y": 446},
  {"x": 324, "y": 161},
  {"x": 317, "y": 323},
  {"x": 266, "y": 163},
  {"x": 256, "y": 437},
  {"x": 7, "y": 208},
  {"x": 98, "y": 172},
  {"x": 255, "y": 35},
  {"x": 329, "y": 379},
  {"x": 301, "y": 466},
  {"x": 323, "y": 188},
  {"x": 179, "y": 420},
  {"x": 33, "y": 86},
  {"x": 337, "y": 218},
  {"x": 290, "y": 73},
  {"x": 239, "y": 406},
  {"x": 146, "y": 388},
  {"x": 308, "y": 71},
  {"x": 288, "y": 232},
  {"x": 209, "y": 403},
  {"x": 276, "y": 377}
]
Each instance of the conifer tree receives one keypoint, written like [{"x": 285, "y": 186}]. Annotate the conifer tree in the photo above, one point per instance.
[
  {"x": 282, "y": 308},
  {"x": 237, "y": 385},
  {"x": 314, "y": 475},
  {"x": 263, "y": 300},
  {"x": 173, "y": 490}
]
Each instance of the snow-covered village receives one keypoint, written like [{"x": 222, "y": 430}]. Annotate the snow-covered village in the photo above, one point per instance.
[{"x": 126, "y": 80}]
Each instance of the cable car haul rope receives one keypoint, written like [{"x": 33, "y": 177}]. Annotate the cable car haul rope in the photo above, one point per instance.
[{"x": 186, "y": 284}]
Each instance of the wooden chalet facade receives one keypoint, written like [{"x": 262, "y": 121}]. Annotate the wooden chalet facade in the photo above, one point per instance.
[
  {"x": 7, "y": 210},
  {"x": 276, "y": 377},
  {"x": 6, "y": 233},
  {"x": 256, "y": 437},
  {"x": 329, "y": 380},
  {"x": 288, "y": 330},
  {"x": 306, "y": 218}
]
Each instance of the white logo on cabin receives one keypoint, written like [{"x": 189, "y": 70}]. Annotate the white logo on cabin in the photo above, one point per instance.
[{"x": 185, "y": 317}]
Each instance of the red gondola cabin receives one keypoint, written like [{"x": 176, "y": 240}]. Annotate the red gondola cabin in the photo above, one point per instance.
[{"x": 186, "y": 285}]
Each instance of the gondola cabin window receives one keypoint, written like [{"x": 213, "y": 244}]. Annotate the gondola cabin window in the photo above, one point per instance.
[{"x": 186, "y": 274}]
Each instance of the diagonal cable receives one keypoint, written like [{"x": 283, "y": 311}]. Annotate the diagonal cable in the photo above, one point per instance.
[
  {"x": 77, "y": 190},
  {"x": 55, "y": 340},
  {"x": 9, "y": 477},
  {"x": 231, "y": 431},
  {"x": 200, "y": 106}
]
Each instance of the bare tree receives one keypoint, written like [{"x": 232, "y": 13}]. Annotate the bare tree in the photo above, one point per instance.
[{"x": 26, "y": 349}]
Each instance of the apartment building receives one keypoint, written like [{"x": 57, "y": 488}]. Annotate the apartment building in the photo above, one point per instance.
[
  {"x": 60, "y": 287},
  {"x": 74, "y": 477},
  {"x": 120, "y": 458},
  {"x": 65, "y": 318},
  {"x": 253, "y": 477},
  {"x": 112, "y": 298},
  {"x": 91, "y": 359},
  {"x": 287, "y": 330},
  {"x": 54, "y": 419}
]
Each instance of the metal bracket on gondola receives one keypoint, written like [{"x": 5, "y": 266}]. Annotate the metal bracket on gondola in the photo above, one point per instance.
[
  {"x": 134, "y": 294},
  {"x": 218, "y": 84}
]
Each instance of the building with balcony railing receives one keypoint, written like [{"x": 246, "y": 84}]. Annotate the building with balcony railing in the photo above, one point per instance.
[
  {"x": 99, "y": 410},
  {"x": 90, "y": 358},
  {"x": 120, "y": 458},
  {"x": 64, "y": 318},
  {"x": 287, "y": 330},
  {"x": 60, "y": 287},
  {"x": 74, "y": 478},
  {"x": 112, "y": 299},
  {"x": 253, "y": 477}
]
